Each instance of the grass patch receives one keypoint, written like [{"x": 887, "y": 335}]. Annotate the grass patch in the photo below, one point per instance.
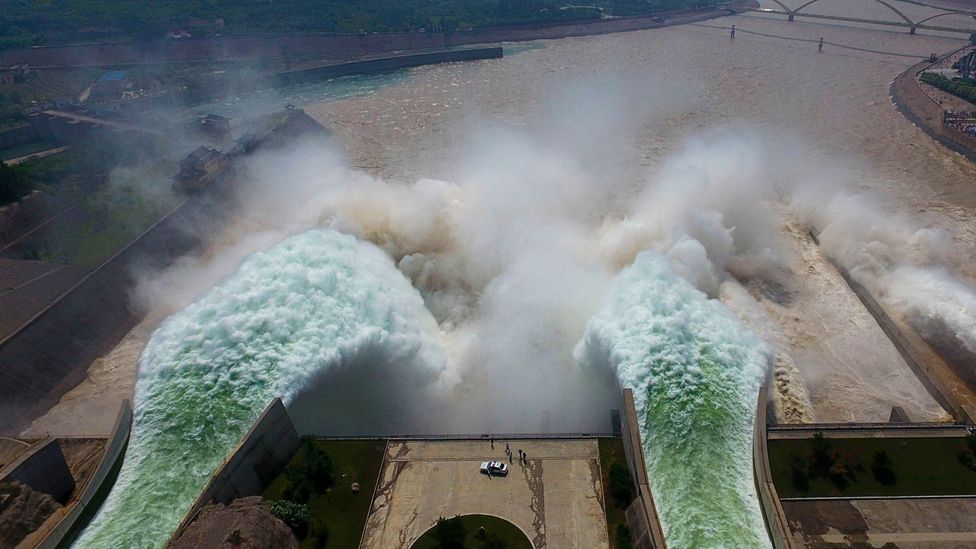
[
  {"x": 909, "y": 467},
  {"x": 341, "y": 511},
  {"x": 498, "y": 533},
  {"x": 612, "y": 452}
]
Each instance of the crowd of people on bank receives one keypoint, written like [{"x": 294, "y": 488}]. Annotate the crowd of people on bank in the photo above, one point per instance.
[{"x": 962, "y": 121}]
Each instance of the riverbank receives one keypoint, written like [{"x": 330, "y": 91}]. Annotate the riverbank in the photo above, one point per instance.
[
  {"x": 334, "y": 47},
  {"x": 911, "y": 100}
]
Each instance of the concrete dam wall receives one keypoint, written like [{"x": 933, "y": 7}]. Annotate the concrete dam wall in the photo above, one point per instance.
[
  {"x": 50, "y": 354},
  {"x": 386, "y": 64}
]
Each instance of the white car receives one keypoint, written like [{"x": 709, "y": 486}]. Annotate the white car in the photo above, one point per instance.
[{"x": 494, "y": 468}]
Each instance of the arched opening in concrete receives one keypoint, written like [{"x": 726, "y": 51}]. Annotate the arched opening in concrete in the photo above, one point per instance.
[{"x": 474, "y": 531}]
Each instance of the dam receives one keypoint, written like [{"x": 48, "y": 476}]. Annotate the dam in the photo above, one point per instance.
[{"x": 510, "y": 247}]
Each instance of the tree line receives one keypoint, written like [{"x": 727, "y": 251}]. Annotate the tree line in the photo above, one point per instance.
[{"x": 26, "y": 23}]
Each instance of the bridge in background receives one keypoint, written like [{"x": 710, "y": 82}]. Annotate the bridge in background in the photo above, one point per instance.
[{"x": 906, "y": 22}]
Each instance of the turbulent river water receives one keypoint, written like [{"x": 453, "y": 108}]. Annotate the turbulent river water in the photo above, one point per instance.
[
  {"x": 316, "y": 301},
  {"x": 695, "y": 372}
]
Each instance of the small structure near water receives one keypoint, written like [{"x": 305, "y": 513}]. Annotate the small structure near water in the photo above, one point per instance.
[{"x": 200, "y": 167}]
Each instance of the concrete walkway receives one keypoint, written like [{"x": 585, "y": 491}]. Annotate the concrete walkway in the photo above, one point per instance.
[
  {"x": 556, "y": 500},
  {"x": 843, "y": 431},
  {"x": 905, "y": 523}
]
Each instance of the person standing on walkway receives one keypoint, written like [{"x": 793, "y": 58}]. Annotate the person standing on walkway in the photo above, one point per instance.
[
  {"x": 820, "y": 46},
  {"x": 492, "y": 439},
  {"x": 732, "y": 32}
]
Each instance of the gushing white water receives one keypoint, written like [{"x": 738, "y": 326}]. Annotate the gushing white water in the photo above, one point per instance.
[
  {"x": 314, "y": 302},
  {"x": 695, "y": 372}
]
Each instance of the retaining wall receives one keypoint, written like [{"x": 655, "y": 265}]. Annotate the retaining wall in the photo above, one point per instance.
[
  {"x": 772, "y": 509},
  {"x": 44, "y": 469},
  {"x": 386, "y": 64},
  {"x": 642, "y": 518},
  {"x": 98, "y": 486},
  {"x": 261, "y": 455},
  {"x": 50, "y": 354}
]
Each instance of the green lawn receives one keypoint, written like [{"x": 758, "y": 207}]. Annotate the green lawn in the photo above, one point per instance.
[
  {"x": 500, "y": 531},
  {"x": 612, "y": 451},
  {"x": 343, "y": 512},
  {"x": 922, "y": 466}
]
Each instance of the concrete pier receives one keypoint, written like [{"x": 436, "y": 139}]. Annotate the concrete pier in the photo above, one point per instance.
[{"x": 386, "y": 64}]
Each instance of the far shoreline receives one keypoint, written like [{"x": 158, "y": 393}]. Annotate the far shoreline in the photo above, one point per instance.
[{"x": 335, "y": 47}]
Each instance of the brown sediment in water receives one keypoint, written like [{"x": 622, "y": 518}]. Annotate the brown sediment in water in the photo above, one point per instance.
[{"x": 91, "y": 408}]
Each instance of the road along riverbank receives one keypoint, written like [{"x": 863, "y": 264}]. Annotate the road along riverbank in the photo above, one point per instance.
[{"x": 911, "y": 100}]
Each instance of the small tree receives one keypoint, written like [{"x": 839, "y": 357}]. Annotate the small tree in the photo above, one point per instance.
[
  {"x": 312, "y": 471},
  {"x": 623, "y": 539},
  {"x": 295, "y": 515},
  {"x": 801, "y": 482},
  {"x": 318, "y": 466},
  {"x": 450, "y": 533},
  {"x": 821, "y": 455},
  {"x": 621, "y": 489},
  {"x": 883, "y": 469},
  {"x": 319, "y": 534},
  {"x": 967, "y": 452}
]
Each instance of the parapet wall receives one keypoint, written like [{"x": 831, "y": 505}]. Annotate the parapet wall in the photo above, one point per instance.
[
  {"x": 50, "y": 354},
  {"x": 642, "y": 518},
  {"x": 386, "y": 64},
  {"x": 772, "y": 509},
  {"x": 261, "y": 455}
]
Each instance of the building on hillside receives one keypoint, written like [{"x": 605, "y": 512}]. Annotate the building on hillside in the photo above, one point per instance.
[{"x": 200, "y": 167}]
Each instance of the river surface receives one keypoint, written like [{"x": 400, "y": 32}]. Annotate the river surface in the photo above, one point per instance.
[{"x": 696, "y": 78}]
